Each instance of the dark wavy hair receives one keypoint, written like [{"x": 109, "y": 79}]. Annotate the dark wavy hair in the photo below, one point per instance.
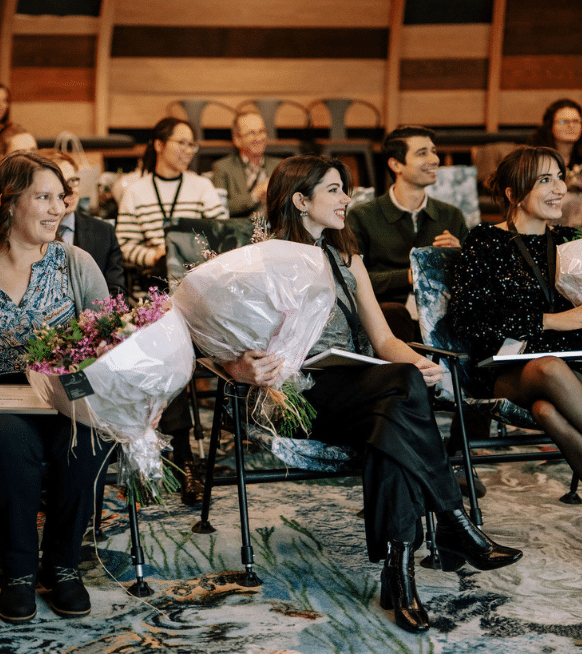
[
  {"x": 5, "y": 119},
  {"x": 395, "y": 144},
  {"x": 544, "y": 134},
  {"x": 16, "y": 175},
  {"x": 161, "y": 132},
  {"x": 301, "y": 174},
  {"x": 518, "y": 172}
]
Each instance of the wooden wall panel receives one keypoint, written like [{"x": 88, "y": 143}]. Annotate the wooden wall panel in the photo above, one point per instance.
[
  {"x": 444, "y": 108},
  {"x": 255, "y": 13},
  {"x": 47, "y": 119},
  {"x": 527, "y": 107},
  {"x": 65, "y": 25},
  {"x": 542, "y": 72},
  {"x": 443, "y": 74},
  {"x": 53, "y": 84},
  {"x": 271, "y": 77},
  {"x": 445, "y": 41},
  {"x": 53, "y": 51}
]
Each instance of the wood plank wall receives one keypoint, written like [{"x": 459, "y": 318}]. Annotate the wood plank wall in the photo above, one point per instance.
[{"x": 123, "y": 68}]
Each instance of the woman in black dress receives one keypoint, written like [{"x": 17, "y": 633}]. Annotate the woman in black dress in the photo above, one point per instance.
[
  {"x": 383, "y": 410},
  {"x": 504, "y": 288}
]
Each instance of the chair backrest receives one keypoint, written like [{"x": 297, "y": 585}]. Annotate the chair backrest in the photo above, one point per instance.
[
  {"x": 337, "y": 108},
  {"x": 188, "y": 239},
  {"x": 457, "y": 185},
  {"x": 269, "y": 108},
  {"x": 194, "y": 109},
  {"x": 432, "y": 271}
]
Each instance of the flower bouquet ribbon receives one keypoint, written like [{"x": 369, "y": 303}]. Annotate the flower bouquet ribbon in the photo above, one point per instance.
[
  {"x": 122, "y": 392},
  {"x": 274, "y": 296},
  {"x": 569, "y": 270}
]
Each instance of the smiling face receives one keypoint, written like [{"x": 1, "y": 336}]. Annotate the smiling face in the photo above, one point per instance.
[
  {"x": 544, "y": 201},
  {"x": 174, "y": 156},
  {"x": 421, "y": 163},
  {"x": 251, "y": 136},
  {"x": 327, "y": 208},
  {"x": 39, "y": 209},
  {"x": 72, "y": 179},
  {"x": 567, "y": 126}
]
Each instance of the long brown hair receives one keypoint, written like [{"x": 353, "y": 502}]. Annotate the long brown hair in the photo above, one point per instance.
[
  {"x": 301, "y": 174},
  {"x": 16, "y": 175},
  {"x": 518, "y": 172}
]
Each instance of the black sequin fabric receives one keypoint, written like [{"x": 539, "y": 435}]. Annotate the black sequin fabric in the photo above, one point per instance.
[{"x": 496, "y": 296}]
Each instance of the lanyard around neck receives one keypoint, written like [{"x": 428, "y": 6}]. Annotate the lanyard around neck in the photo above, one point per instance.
[
  {"x": 548, "y": 289},
  {"x": 167, "y": 218}
]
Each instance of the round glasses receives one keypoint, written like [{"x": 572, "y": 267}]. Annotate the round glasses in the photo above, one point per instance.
[
  {"x": 185, "y": 145},
  {"x": 571, "y": 121}
]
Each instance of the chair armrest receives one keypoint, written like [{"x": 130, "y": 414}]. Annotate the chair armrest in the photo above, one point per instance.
[{"x": 447, "y": 354}]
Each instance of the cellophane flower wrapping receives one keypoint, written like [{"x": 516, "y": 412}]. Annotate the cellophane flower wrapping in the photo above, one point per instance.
[
  {"x": 569, "y": 271},
  {"x": 274, "y": 296},
  {"x": 132, "y": 384}
]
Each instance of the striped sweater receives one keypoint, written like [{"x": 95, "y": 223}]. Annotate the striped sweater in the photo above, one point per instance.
[{"x": 140, "y": 222}]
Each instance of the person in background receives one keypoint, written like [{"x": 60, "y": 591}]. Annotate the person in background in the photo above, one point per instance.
[
  {"x": 561, "y": 129},
  {"x": 245, "y": 173},
  {"x": 41, "y": 281},
  {"x": 16, "y": 139},
  {"x": 90, "y": 234},
  {"x": 166, "y": 192},
  {"x": 384, "y": 410},
  {"x": 504, "y": 289}
]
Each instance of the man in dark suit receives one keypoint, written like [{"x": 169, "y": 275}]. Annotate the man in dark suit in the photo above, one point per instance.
[
  {"x": 90, "y": 234},
  {"x": 244, "y": 174}
]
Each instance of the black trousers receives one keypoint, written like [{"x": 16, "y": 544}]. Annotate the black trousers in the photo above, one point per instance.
[
  {"x": 37, "y": 447},
  {"x": 385, "y": 411}
]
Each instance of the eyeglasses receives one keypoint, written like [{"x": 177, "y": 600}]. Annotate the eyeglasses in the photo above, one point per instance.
[
  {"x": 572, "y": 121},
  {"x": 253, "y": 134},
  {"x": 73, "y": 182},
  {"x": 185, "y": 145}
]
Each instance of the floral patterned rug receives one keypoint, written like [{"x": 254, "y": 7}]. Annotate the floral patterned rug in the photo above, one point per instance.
[{"x": 319, "y": 593}]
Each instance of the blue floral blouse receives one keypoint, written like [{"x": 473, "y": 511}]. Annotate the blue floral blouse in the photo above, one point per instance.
[{"x": 45, "y": 301}]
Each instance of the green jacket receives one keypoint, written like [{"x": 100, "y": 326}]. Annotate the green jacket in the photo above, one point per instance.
[{"x": 386, "y": 235}]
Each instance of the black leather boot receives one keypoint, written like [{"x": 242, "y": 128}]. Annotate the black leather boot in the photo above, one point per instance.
[
  {"x": 399, "y": 590},
  {"x": 459, "y": 540}
]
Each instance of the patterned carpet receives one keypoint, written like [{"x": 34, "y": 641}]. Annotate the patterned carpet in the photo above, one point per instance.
[{"x": 319, "y": 594}]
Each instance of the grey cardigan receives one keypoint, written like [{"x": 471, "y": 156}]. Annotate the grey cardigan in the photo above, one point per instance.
[{"x": 87, "y": 281}]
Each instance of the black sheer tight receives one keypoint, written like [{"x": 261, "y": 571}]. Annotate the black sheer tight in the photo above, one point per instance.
[{"x": 553, "y": 393}]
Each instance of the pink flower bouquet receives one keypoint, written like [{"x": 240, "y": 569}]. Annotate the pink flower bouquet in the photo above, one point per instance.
[{"x": 116, "y": 369}]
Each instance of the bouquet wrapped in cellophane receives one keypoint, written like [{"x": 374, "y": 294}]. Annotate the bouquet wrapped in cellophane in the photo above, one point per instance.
[
  {"x": 115, "y": 370},
  {"x": 569, "y": 269},
  {"x": 274, "y": 296}
]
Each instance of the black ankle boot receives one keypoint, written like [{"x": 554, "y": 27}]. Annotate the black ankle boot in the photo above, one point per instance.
[
  {"x": 459, "y": 540},
  {"x": 399, "y": 590}
]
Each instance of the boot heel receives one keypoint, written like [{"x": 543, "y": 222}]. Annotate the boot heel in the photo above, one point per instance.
[
  {"x": 385, "y": 597},
  {"x": 449, "y": 561}
]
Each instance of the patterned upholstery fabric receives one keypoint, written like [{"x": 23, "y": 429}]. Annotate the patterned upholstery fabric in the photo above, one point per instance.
[
  {"x": 457, "y": 185},
  {"x": 432, "y": 269}
]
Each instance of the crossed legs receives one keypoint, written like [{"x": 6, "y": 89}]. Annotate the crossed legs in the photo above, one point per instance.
[{"x": 553, "y": 393}]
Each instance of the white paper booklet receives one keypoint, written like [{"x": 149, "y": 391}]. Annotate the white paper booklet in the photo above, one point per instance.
[{"x": 335, "y": 357}]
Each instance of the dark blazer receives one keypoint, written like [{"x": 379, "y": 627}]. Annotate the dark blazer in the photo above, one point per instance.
[
  {"x": 229, "y": 174},
  {"x": 98, "y": 239}
]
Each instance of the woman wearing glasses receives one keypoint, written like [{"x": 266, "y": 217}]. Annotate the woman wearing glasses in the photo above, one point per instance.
[
  {"x": 166, "y": 192},
  {"x": 561, "y": 129}
]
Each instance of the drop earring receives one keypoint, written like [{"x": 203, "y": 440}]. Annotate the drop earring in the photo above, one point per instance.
[{"x": 304, "y": 214}]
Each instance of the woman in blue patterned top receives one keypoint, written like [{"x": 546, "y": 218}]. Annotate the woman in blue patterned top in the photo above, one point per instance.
[
  {"x": 383, "y": 410},
  {"x": 41, "y": 281}
]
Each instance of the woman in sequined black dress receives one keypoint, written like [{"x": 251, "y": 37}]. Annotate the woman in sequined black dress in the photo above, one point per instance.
[{"x": 497, "y": 295}]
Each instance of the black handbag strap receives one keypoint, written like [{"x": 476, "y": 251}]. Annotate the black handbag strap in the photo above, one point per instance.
[
  {"x": 350, "y": 313},
  {"x": 547, "y": 287}
]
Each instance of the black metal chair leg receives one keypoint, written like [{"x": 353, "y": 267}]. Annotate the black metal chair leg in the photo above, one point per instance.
[
  {"x": 247, "y": 554},
  {"x": 572, "y": 497},
  {"x": 433, "y": 560},
  {"x": 140, "y": 588},
  {"x": 204, "y": 526}
]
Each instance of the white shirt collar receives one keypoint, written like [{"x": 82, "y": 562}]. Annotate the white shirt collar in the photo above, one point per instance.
[{"x": 414, "y": 213}]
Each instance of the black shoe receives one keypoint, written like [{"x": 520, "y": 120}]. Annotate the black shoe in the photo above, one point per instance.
[
  {"x": 399, "y": 590},
  {"x": 461, "y": 477},
  {"x": 69, "y": 597},
  {"x": 192, "y": 488},
  {"x": 17, "y": 599},
  {"x": 459, "y": 540}
]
